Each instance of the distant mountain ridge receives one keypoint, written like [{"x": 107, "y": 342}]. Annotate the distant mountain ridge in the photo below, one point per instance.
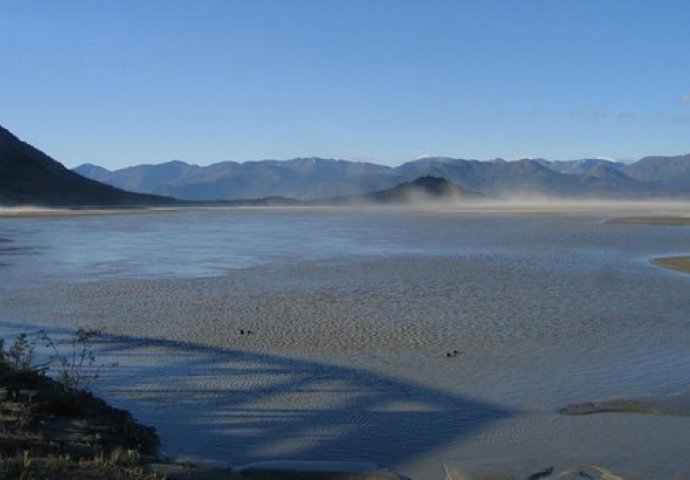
[
  {"x": 297, "y": 178},
  {"x": 673, "y": 173},
  {"x": 425, "y": 189},
  {"x": 29, "y": 176},
  {"x": 318, "y": 178}
]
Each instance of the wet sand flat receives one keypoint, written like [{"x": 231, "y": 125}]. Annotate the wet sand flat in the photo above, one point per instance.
[{"x": 352, "y": 315}]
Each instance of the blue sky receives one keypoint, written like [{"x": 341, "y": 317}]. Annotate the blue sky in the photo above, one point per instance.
[{"x": 125, "y": 82}]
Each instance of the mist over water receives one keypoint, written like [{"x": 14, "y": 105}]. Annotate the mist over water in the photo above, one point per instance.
[{"x": 352, "y": 313}]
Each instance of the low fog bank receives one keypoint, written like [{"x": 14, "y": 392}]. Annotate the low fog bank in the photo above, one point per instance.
[
  {"x": 517, "y": 204},
  {"x": 544, "y": 203},
  {"x": 527, "y": 203}
]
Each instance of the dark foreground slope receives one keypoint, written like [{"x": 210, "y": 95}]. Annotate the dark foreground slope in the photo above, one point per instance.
[
  {"x": 30, "y": 177},
  {"x": 53, "y": 432}
]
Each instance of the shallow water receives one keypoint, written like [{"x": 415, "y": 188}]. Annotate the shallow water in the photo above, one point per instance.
[{"x": 352, "y": 313}]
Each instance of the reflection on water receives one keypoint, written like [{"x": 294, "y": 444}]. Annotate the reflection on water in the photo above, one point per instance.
[{"x": 352, "y": 315}]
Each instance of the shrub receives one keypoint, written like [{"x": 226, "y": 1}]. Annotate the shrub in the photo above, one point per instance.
[{"x": 77, "y": 368}]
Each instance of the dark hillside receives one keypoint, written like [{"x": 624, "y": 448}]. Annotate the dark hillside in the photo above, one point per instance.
[{"x": 30, "y": 177}]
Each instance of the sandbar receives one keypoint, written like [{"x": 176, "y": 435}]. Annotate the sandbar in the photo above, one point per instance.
[
  {"x": 681, "y": 263},
  {"x": 676, "y": 405},
  {"x": 666, "y": 220}
]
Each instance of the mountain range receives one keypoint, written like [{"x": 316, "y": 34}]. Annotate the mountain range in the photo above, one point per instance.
[
  {"x": 319, "y": 178},
  {"x": 29, "y": 176}
]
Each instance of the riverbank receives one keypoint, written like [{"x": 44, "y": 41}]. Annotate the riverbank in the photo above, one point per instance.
[{"x": 49, "y": 431}]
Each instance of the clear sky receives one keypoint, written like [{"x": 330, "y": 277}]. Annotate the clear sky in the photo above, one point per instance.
[{"x": 118, "y": 83}]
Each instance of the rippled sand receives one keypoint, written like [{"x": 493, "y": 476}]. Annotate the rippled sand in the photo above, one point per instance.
[{"x": 347, "y": 358}]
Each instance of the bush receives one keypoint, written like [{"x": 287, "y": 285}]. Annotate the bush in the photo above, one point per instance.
[{"x": 77, "y": 368}]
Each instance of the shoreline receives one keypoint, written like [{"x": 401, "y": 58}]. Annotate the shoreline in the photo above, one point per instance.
[{"x": 49, "y": 430}]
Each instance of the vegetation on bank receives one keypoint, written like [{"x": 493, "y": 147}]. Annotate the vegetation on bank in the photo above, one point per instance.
[{"x": 56, "y": 428}]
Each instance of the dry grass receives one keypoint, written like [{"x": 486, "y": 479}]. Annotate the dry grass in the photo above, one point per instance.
[
  {"x": 25, "y": 466},
  {"x": 50, "y": 432}
]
